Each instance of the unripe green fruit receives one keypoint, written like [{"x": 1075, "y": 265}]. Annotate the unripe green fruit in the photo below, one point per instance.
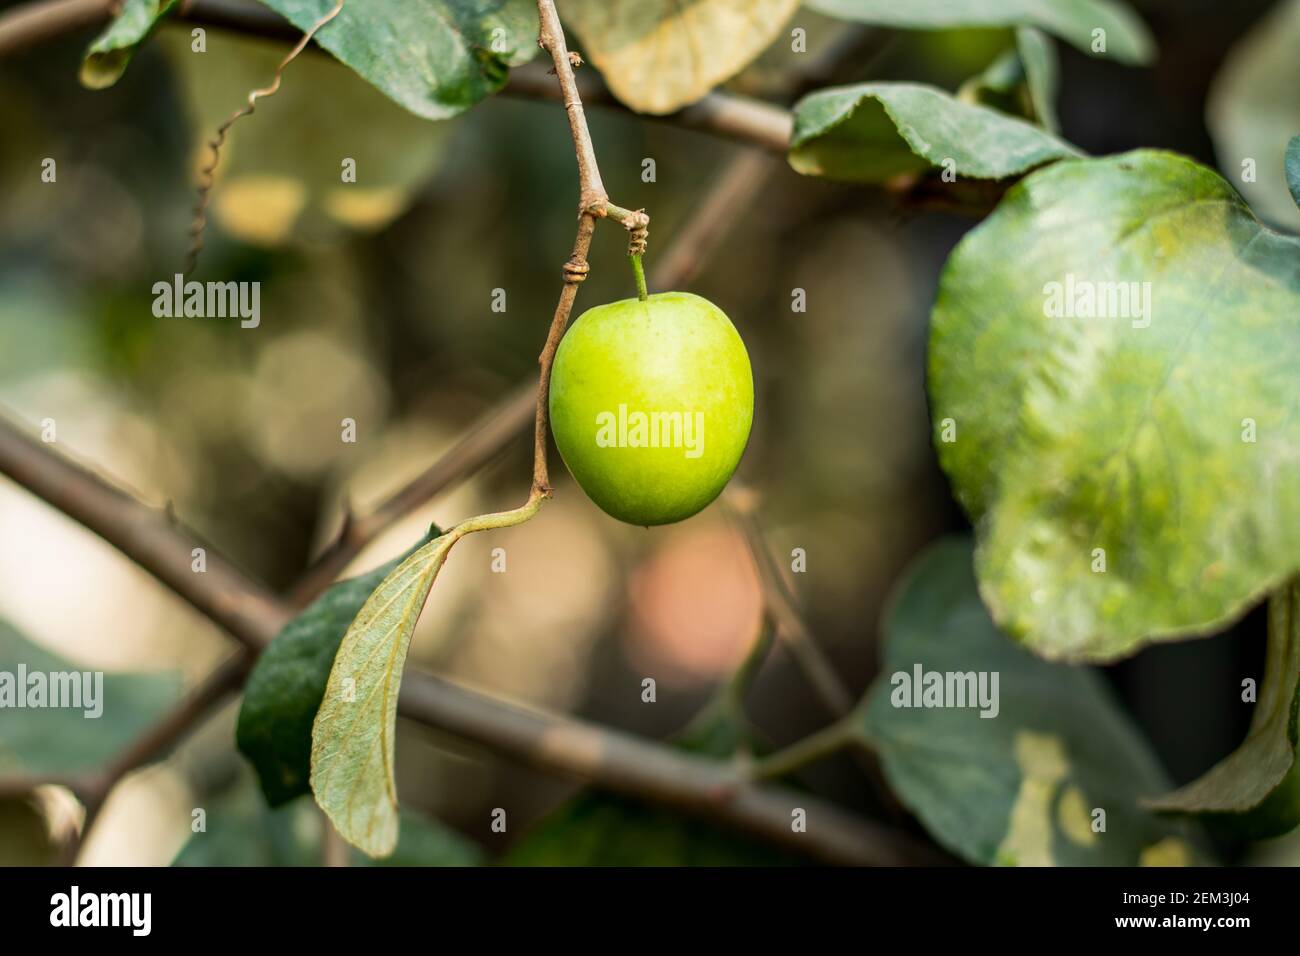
[{"x": 651, "y": 403}]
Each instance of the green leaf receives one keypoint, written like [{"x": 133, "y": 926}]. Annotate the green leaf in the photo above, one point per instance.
[
  {"x": 1042, "y": 74},
  {"x": 109, "y": 55},
  {"x": 243, "y": 831},
  {"x": 1127, "y": 38},
  {"x": 1132, "y": 478},
  {"x": 50, "y": 740},
  {"x": 437, "y": 58},
  {"x": 352, "y": 738},
  {"x": 1020, "y": 787},
  {"x": 871, "y": 132},
  {"x": 1293, "y": 168},
  {"x": 280, "y": 175},
  {"x": 286, "y": 687},
  {"x": 1255, "y": 791},
  {"x": 660, "y": 55},
  {"x": 1254, "y": 107}
]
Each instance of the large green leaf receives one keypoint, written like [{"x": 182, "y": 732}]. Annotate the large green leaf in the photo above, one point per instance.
[
  {"x": 1134, "y": 477},
  {"x": 1022, "y": 82},
  {"x": 352, "y": 738},
  {"x": 243, "y": 831},
  {"x": 1074, "y": 21},
  {"x": 110, "y": 53},
  {"x": 1255, "y": 791},
  {"x": 659, "y": 55},
  {"x": 1020, "y": 787},
  {"x": 286, "y": 687},
  {"x": 435, "y": 57},
  {"x": 871, "y": 132},
  {"x": 64, "y": 739},
  {"x": 1254, "y": 107}
]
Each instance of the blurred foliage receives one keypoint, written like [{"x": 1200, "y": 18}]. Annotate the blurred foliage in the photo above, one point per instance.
[
  {"x": 285, "y": 689},
  {"x": 24, "y": 835},
  {"x": 436, "y": 58},
  {"x": 241, "y": 830},
  {"x": 50, "y": 739},
  {"x": 873, "y": 132}
]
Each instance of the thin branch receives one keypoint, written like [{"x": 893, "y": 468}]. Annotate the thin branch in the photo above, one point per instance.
[
  {"x": 592, "y": 200},
  {"x": 483, "y": 441},
  {"x": 725, "y": 199},
  {"x": 556, "y": 744},
  {"x": 649, "y": 771},
  {"x": 692, "y": 245},
  {"x": 721, "y": 114},
  {"x": 779, "y": 606},
  {"x": 790, "y": 626},
  {"x": 207, "y": 174},
  {"x": 31, "y": 24}
]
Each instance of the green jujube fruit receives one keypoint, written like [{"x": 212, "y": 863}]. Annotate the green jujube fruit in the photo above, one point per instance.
[{"x": 651, "y": 404}]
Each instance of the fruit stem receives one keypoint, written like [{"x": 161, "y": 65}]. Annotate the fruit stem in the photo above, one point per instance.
[{"x": 639, "y": 272}]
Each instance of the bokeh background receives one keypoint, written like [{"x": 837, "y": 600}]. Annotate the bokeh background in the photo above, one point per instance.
[{"x": 377, "y": 306}]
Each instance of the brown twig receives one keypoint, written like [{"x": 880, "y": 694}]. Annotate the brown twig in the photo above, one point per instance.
[
  {"x": 729, "y": 115},
  {"x": 710, "y": 222},
  {"x": 550, "y": 742}
]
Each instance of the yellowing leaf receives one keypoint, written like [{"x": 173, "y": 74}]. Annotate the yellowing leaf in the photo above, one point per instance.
[
  {"x": 352, "y": 738},
  {"x": 659, "y": 55}
]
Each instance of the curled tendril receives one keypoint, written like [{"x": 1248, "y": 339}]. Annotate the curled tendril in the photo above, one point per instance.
[{"x": 207, "y": 175}]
